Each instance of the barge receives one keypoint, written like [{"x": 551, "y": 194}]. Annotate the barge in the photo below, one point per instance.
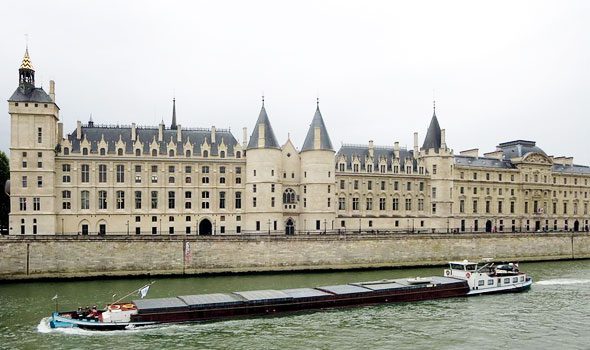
[{"x": 459, "y": 280}]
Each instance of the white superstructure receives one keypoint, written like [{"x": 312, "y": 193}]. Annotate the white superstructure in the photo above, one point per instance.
[{"x": 489, "y": 277}]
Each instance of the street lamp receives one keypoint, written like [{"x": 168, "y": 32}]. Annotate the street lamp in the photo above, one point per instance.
[
  {"x": 359, "y": 225},
  {"x": 325, "y": 225},
  {"x": 127, "y": 227},
  {"x": 269, "y": 227}
]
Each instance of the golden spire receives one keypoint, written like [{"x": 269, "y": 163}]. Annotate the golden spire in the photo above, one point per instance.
[{"x": 27, "y": 61}]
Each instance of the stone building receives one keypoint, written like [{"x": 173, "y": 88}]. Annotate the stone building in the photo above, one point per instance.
[{"x": 114, "y": 179}]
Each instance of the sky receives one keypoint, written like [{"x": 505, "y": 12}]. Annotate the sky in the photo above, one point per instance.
[{"x": 499, "y": 71}]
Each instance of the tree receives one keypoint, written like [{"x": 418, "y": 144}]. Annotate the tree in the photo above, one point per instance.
[{"x": 4, "y": 199}]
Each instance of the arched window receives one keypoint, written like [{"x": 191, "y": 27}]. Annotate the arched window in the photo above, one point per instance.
[
  {"x": 154, "y": 153},
  {"x": 222, "y": 154},
  {"x": 85, "y": 151},
  {"x": 120, "y": 152},
  {"x": 187, "y": 153},
  {"x": 205, "y": 154},
  {"x": 137, "y": 152},
  {"x": 66, "y": 151},
  {"x": 289, "y": 196},
  {"x": 238, "y": 154},
  {"x": 171, "y": 153},
  {"x": 103, "y": 151}
]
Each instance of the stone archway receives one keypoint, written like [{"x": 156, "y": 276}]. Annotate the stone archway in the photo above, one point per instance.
[
  {"x": 290, "y": 227},
  {"x": 205, "y": 228},
  {"x": 576, "y": 226},
  {"x": 489, "y": 226}
]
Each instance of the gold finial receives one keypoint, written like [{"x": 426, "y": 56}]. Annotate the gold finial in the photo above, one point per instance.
[{"x": 27, "y": 61}]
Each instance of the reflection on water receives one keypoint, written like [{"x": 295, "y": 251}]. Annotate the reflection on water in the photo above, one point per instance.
[{"x": 553, "y": 314}]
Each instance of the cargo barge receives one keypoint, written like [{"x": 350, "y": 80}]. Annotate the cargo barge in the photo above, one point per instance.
[{"x": 219, "y": 306}]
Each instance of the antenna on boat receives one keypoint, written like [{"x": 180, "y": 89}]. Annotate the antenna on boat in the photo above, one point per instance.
[
  {"x": 138, "y": 290},
  {"x": 55, "y": 298}
]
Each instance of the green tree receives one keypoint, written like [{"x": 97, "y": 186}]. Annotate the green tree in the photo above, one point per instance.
[{"x": 4, "y": 199}]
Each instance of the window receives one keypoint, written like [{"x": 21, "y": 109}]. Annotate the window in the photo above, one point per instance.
[
  {"x": 24, "y": 181},
  {"x": 420, "y": 204},
  {"x": 395, "y": 204},
  {"x": 205, "y": 200},
  {"x": 102, "y": 173},
  {"x": 461, "y": 206},
  {"x": 103, "y": 151},
  {"x": 369, "y": 185},
  {"x": 39, "y": 135},
  {"x": 137, "y": 199},
  {"x": 171, "y": 199},
  {"x": 408, "y": 204},
  {"x": 205, "y": 179},
  {"x": 22, "y": 204},
  {"x": 222, "y": 200},
  {"x": 66, "y": 196},
  {"x": 381, "y": 203},
  {"x": 355, "y": 203},
  {"x": 475, "y": 206},
  {"x": 408, "y": 186},
  {"x": 120, "y": 199},
  {"x": 120, "y": 152},
  {"x": 36, "y": 204},
  {"x": 434, "y": 192},
  {"x": 102, "y": 200},
  {"x": 369, "y": 204},
  {"x": 341, "y": 184},
  {"x": 39, "y": 160},
  {"x": 120, "y": 173},
  {"x": 154, "y": 199},
  {"x": 85, "y": 174},
  {"x": 171, "y": 179},
  {"x": 395, "y": 185},
  {"x": 84, "y": 151},
  {"x": 205, "y": 154},
  {"x": 171, "y": 169},
  {"x": 188, "y": 195},
  {"x": 254, "y": 188},
  {"x": 238, "y": 200},
  {"x": 341, "y": 203},
  {"x": 434, "y": 170},
  {"x": 84, "y": 200},
  {"x": 40, "y": 181},
  {"x": 66, "y": 151}
]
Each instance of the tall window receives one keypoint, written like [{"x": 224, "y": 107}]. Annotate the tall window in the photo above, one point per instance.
[
  {"x": 39, "y": 135},
  {"x": 408, "y": 203},
  {"x": 36, "y": 204},
  {"x": 355, "y": 204},
  {"x": 395, "y": 204},
  {"x": 382, "y": 204},
  {"x": 84, "y": 200},
  {"x": 137, "y": 199},
  {"x": 289, "y": 196},
  {"x": 238, "y": 200},
  {"x": 102, "y": 200},
  {"x": 22, "y": 204},
  {"x": 341, "y": 203},
  {"x": 24, "y": 181},
  {"x": 171, "y": 199},
  {"x": 369, "y": 204},
  {"x": 85, "y": 174},
  {"x": 154, "y": 199},
  {"x": 66, "y": 199},
  {"x": 205, "y": 200},
  {"x": 102, "y": 173},
  {"x": 222, "y": 200},
  {"x": 188, "y": 195},
  {"x": 120, "y": 200},
  {"x": 120, "y": 173}
]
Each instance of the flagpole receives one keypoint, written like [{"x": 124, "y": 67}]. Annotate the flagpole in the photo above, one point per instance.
[{"x": 133, "y": 291}]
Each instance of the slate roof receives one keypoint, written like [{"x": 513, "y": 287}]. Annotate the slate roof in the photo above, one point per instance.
[
  {"x": 433, "y": 135},
  {"x": 146, "y": 135},
  {"x": 270, "y": 141},
  {"x": 378, "y": 151},
  {"x": 30, "y": 95},
  {"x": 571, "y": 169},
  {"x": 483, "y": 162},
  {"x": 519, "y": 148},
  {"x": 317, "y": 122}
]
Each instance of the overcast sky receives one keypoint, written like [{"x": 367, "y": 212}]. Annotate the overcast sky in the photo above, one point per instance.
[{"x": 501, "y": 70}]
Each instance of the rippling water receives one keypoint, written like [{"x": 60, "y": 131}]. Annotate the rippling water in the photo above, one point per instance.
[{"x": 554, "y": 314}]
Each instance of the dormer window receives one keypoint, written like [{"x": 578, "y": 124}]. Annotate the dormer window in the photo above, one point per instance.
[
  {"x": 137, "y": 152},
  {"x": 171, "y": 153},
  {"x": 222, "y": 154},
  {"x": 238, "y": 154},
  {"x": 205, "y": 154},
  {"x": 85, "y": 151},
  {"x": 187, "y": 153},
  {"x": 103, "y": 151},
  {"x": 66, "y": 151},
  {"x": 120, "y": 152},
  {"x": 154, "y": 153}
]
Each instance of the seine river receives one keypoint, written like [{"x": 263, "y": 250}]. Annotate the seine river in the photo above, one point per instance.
[{"x": 554, "y": 314}]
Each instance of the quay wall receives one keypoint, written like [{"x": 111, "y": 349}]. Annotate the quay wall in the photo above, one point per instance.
[{"x": 91, "y": 256}]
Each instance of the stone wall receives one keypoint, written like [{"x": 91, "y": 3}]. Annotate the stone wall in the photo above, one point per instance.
[{"x": 87, "y": 256}]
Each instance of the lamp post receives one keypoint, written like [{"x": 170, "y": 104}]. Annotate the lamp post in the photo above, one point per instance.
[
  {"x": 269, "y": 227},
  {"x": 127, "y": 227},
  {"x": 160, "y": 226},
  {"x": 360, "y": 225},
  {"x": 325, "y": 225}
]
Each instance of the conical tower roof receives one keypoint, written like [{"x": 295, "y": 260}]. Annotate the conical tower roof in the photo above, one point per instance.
[
  {"x": 26, "y": 64},
  {"x": 433, "y": 135},
  {"x": 268, "y": 139},
  {"x": 317, "y": 140}
]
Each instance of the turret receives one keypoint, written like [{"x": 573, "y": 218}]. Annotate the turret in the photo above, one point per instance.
[{"x": 317, "y": 177}]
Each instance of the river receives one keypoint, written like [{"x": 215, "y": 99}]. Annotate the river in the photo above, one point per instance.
[{"x": 554, "y": 314}]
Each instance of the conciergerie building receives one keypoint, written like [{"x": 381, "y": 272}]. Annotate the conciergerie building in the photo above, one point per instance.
[{"x": 169, "y": 179}]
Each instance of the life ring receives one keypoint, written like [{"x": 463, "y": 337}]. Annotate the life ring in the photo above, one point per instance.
[
  {"x": 448, "y": 273},
  {"x": 468, "y": 275},
  {"x": 115, "y": 307},
  {"x": 129, "y": 306}
]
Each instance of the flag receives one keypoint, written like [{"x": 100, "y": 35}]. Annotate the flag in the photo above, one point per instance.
[
  {"x": 143, "y": 291},
  {"x": 55, "y": 297}
]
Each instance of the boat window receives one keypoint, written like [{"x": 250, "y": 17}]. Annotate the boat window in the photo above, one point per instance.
[
  {"x": 507, "y": 280},
  {"x": 471, "y": 267},
  {"x": 514, "y": 279},
  {"x": 522, "y": 278},
  {"x": 480, "y": 283},
  {"x": 457, "y": 267},
  {"x": 490, "y": 282}
]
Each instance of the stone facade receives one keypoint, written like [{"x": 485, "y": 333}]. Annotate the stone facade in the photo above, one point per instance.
[{"x": 114, "y": 180}]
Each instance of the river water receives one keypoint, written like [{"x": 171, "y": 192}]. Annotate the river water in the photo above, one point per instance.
[{"x": 554, "y": 314}]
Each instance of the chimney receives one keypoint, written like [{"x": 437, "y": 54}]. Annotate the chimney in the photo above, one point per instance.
[
  {"x": 178, "y": 133},
  {"x": 161, "y": 132},
  {"x": 244, "y": 137},
  {"x": 133, "y": 132},
  {"x": 415, "y": 144},
  {"x": 261, "y": 135},
  {"x": 52, "y": 90},
  {"x": 78, "y": 130},
  {"x": 396, "y": 149},
  {"x": 443, "y": 142},
  {"x": 371, "y": 148},
  {"x": 60, "y": 131},
  {"x": 213, "y": 134}
]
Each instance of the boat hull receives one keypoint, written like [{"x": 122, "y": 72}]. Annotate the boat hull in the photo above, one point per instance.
[{"x": 513, "y": 288}]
